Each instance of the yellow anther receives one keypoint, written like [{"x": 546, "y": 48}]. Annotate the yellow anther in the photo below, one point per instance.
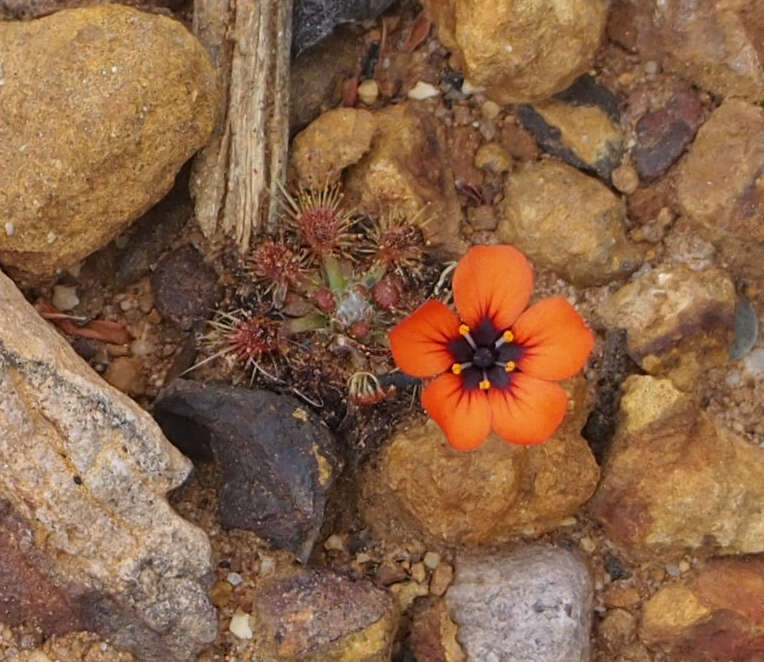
[
  {"x": 464, "y": 330},
  {"x": 456, "y": 368},
  {"x": 484, "y": 385},
  {"x": 508, "y": 336},
  {"x": 510, "y": 366}
]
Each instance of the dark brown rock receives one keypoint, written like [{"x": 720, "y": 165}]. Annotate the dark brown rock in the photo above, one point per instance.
[
  {"x": 664, "y": 134},
  {"x": 278, "y": 460},
  {"x": 433, "y": 635},
  {"x": 319, "y": 615},
  {"x": 185, "y": 287}
]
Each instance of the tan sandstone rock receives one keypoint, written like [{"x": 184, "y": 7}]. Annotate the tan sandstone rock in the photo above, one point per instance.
[
  {"x": 678, "y": 321},
  {"x": 720, "y": 185},
  {"x": 421, "y": 488},
  {"x": 87, "y": 538},
  {"x": 568, "y": 222},
  {"x": 101, "y": 107},
  {"x": 674, "y": 479},
  {"x": 717, "y": 44},
  {"x": 320, "y": 616},
  {"x": 717, "y": 614},
  {"x": 336, "y": 139},
  {"x": 407, "y": 172},
  {"x": 520, "y": 51}
]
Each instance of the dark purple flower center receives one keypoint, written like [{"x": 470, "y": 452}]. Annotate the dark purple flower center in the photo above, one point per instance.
[{"x": 485, "y": 357}]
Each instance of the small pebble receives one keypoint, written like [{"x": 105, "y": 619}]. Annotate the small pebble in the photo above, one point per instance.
[
  {"x": 587, "y": 544},
  {"x": 65, "y": 297},
  {"x": 493, "y": 157},
  {"x": 334, "y": 543},
  {"x": 10, "y": 228},
  {"x": 221, "y": 593},
  {"x": 418, "y": 572},
  {"x": 368, "y": 92},
  {"x": 490, "y": 109},
  {"x": 431, "y": 560},
  {"x": 267, "y": 565},
  {"x": 234, "y": 578},
  {"x": 672, "y": 570},
  {"x": 441, "y": 579},
  {"x": 625, "y": 179},
  {"x": 468, "y": 88},
  {"x": 362, "y": 557},
  {"x": 240, "y": 626},
  {"x": 406, "y": 592},
  {"x": 684, "y": 566},
  {"x": 422, "y": 91},
  {"x": 754, "y": 364}
]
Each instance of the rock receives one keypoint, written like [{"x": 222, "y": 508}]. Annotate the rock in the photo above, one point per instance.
[
  {"x": 319, "y": 616},
  {"x": 87, "y": 538},
  {"x": 518, "y": 51},
  {"x": 713, "y": 43},
  {"x": 368, "y": 92},
  {"x": 616, "y": 630},
  {"x": 278, "y": 460},
  {"x": 28, "y": 9},
  {"x": 407, "y": 172},
  {"x": 583, "y": 136},
  {"x": 675, "y": 479},
  {"x": 317, "y": 75},
  {"x": 65, "y": 297},
  {"x": 102, "y": 107},
  {"x": 125, "y": 373},
  {"x": 678, "y": 321},
  {"x": 315, "y": 19},
  {"x": 663, "y": 135},
  {"x": 715, "y": 615},
  {"x": 719, "y": 185},
  {"x": 331, "y": 143},
  {"x": 493, "y": 157},
  {"x": 441, "y": 579},
  {"x": 532, "y": 604},
  {"x": 568, "y": 222},
  {"x": 504, "y": 490},
  {"x": 185, "y": 288},
  {"x": 625, "y": 179},
  {"x": 433, "y": 636}
]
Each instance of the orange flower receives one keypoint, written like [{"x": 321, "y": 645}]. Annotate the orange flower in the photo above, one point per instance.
[{"x": 497, "y": 368}]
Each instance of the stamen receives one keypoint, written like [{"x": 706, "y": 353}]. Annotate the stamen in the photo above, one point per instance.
[
  {"x": 457, "y": 368},
  {"x": 507, "y": 336},
  {"x": 484, "y": 384},
  {"x": 510, "y": 366},
  {"x": 464, "y": 330}
]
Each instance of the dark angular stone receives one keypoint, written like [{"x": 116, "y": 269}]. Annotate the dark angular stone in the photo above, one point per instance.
[
  {"x": 586, "y": 91},
  {"x": 278, "y": 460},
  {"x": 315, "y": 19},
  {"x": 664, "y": 134},
  {"x": 185, "y": 287}
]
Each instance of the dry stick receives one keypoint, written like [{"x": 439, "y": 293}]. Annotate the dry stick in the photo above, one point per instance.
[{"x": 237, "y": 177}]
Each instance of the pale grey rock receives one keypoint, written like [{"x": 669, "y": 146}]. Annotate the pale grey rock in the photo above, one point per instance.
[
  {"x": 530, "y": 604},
  {"x": 88, "y": 540}
]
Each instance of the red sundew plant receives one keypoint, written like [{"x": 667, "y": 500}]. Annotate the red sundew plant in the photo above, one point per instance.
[
  {"x": 496, "y": 365},
  {"x": 245, "y": 338},
  {"x": 321, "y": 220}
]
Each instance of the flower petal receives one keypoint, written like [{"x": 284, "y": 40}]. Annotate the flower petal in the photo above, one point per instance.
[
  {"x": 464, "y": 416},
  {"x": 529, "y": 411},
  {"x": 492, "y": 282},
  {"x": 419, "y": 342},
  {"x": 555, "y": 340}
]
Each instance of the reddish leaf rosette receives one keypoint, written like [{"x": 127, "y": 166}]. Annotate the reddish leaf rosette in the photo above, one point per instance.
[{"x": 496, "y": 365}]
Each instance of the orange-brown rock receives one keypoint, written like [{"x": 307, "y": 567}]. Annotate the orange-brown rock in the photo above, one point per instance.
[
  {"x": 675, "y": 479},
  {"x": 519, "y": 51},
  {"x": 678, "y": 321},
  {"x": 421, "y": 488},
  {"x": 567, "y": 221},
  {"x": 101, "y": 107},
  {"x": 407, "y": 172},
  {"x": 717, "y": 44},
  {"x": 433, "y": 635},
  {"x": 717, "y": 614},
  {"x": 333, "y": 141}
]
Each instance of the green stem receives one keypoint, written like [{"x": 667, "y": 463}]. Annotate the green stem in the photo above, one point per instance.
[
  {"x": 333, "y": 271},
  {"x": 309, "y": 322}
]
